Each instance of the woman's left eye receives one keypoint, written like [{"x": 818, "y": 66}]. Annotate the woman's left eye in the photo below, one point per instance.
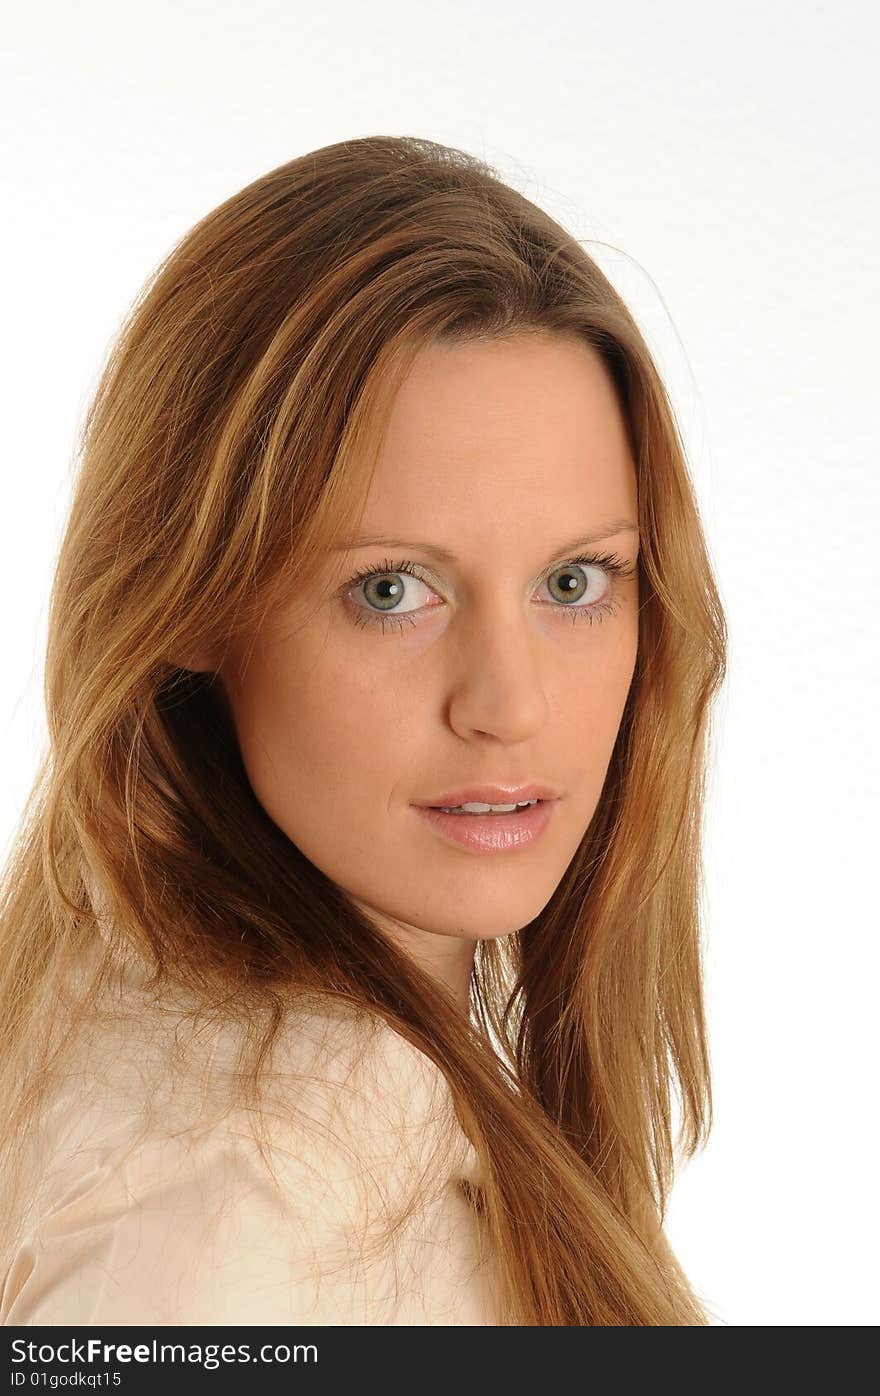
[{"x": 384, "y": 589}]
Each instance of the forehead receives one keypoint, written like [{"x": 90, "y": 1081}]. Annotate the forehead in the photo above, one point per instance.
[{"x": 491, "y": 434}]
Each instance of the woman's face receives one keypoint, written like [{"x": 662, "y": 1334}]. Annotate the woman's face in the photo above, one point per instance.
[{"x": 361, "y": 701}]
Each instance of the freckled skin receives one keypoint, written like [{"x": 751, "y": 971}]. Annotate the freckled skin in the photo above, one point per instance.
[{"x": 500, "y": 452}]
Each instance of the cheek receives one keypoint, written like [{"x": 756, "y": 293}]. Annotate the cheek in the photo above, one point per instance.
[
  {"x": 591, "y": 702},
  {"x": 324, "y": 742}
]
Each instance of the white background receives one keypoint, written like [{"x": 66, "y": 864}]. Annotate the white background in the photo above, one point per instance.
[{"x": 720, "y": 164}]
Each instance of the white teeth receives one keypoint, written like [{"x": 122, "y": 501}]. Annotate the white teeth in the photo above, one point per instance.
[{"x": 476, "y": 807}]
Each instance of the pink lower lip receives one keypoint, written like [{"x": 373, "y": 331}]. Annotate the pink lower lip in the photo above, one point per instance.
[{"x": 491, "y": 833}]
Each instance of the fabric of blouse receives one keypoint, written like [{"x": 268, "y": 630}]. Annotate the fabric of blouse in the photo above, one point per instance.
[{"x": 149, "y": 1205}]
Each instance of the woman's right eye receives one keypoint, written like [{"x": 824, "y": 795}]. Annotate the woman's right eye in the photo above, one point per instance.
[{"x": 386, "y": 591}]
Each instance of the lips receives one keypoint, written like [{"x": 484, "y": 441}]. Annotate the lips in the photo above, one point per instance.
[
  {"x": 491, "y": 833},
  {"x": 491, "y": 795}
]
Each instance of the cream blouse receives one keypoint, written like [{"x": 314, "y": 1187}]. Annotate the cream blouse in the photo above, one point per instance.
[{"x": 150, "y": 1201}]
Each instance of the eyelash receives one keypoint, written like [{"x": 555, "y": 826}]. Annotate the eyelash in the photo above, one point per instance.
[{"x": 364, "y": 617}]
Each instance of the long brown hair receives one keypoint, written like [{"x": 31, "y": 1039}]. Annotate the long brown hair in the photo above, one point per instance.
[{"x": 226, "y": 447}]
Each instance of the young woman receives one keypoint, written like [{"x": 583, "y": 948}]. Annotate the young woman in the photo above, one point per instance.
[{"x": 382, "y": 512}]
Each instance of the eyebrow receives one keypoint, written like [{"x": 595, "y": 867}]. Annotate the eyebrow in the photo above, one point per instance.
[{"x": 609, "y": 530}]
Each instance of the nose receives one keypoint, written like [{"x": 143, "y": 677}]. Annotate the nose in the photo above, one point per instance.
[{"x": 498, "y": 673}]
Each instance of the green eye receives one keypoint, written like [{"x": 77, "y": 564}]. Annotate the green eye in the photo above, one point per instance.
[{"x": 383, "y": 589}]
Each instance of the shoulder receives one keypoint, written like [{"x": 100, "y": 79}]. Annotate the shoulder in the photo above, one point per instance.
[
  {"x": 245, "y": 1220},
  {"x": 176, "y": 1230},
  {"x": 363, "y": 1110}
]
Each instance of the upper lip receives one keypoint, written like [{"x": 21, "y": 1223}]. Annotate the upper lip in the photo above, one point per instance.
[{"x": 492, "y": 795}]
